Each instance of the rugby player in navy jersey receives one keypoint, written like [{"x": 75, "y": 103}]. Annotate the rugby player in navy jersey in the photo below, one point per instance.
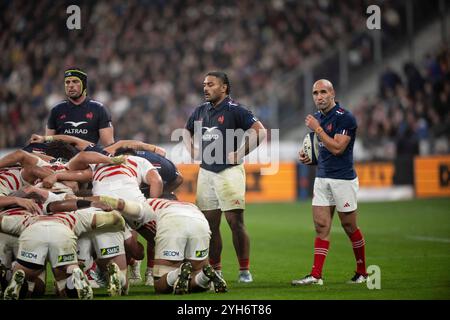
[
  {"x": 79, "y": 115},
  {"x": 221, "y": 179},
  {"x": 336, "y": 183}
]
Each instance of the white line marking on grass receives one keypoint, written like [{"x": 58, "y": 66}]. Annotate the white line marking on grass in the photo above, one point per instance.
[{"x": 432, "y": 239}]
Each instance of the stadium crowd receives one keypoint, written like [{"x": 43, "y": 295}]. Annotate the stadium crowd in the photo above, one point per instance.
[
  {"x": 410, "y": 115},
  {"x": 146, "y": 59}
]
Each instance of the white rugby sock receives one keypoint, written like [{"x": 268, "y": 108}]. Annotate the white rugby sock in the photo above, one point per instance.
[
  {"x": 172, "y": 276},
  {"x": 123, "y": 277},
  {"x": 202, "y": 280}
]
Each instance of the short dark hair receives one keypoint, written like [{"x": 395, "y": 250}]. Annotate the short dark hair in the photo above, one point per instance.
[
  {"x": 61, "y": 149},
  {"x": 222, "y": 76},
  {"x": 123, "y": 150}
]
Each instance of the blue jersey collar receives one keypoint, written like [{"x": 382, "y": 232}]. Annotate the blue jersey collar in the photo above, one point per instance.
[{"x": 220, "y": 105}]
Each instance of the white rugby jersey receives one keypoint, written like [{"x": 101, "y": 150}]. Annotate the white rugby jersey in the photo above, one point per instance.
[
  {"x": 10, "y": 180},
  {"x": 79, "y": 221},
  {"x": 161, "y": 208},
  {"x": 121, "y": 180},
  {"x": 13, "y": 220}
]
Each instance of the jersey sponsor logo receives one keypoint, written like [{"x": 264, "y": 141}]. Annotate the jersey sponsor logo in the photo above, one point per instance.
[
  {"x": 76, "y": 124},
  {"x": 208, "y": 135},
  {"x": 170, "y": 253},
  {"x": 89, "y": 115},
  {"x": 201, "y": 253},
  {"x": 66, "y": 257},
  {"x": 28, "y": 255},
  {"x": 75, "y": 131},
  {"x": 220, "y": 119},
  {"x": 110, "y": 250}
]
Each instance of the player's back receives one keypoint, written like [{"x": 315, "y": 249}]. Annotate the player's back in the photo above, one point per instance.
[
  {"x": 121, "y": 180},
  {"x": 10, "y": 180},
  {"x": 165, "y": 208}
]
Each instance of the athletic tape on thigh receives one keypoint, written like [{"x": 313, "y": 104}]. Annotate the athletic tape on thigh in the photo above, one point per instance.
[{"x": 160, "y": 270}]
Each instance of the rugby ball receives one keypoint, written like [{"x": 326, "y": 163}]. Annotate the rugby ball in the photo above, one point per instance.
[{"x": 311, "y": 147}]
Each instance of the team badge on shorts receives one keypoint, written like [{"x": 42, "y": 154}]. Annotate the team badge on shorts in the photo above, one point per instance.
[
  {"x": 110, "y": 250},
  {"x": 29, "y": 255},
  {"x": 66, "y": 257},
  {"x": 201, "y": 253}
]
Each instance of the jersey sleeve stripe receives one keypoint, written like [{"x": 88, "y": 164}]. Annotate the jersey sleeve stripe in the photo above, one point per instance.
[{"x": 16, "y": 180}]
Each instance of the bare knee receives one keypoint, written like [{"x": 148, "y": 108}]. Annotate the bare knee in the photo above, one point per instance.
[
  {"x": 349, "y": 227},
  {"x": 322, "y": 228}
]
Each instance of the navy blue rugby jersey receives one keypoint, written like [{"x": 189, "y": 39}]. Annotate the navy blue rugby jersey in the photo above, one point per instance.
[
  {"x": 214, "y": 123},
  {"x": 83, "y": 121},
  {"x": 337, "y": 121}
]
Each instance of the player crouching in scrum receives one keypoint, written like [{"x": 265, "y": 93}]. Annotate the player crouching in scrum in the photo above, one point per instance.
[
  {"x": 54, "y": 236},
  {"x": 181, "y": 243}
]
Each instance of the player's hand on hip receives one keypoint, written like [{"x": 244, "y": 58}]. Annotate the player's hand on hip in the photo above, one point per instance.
[
  {"x": 311, "y": 122},
  {"x": 304, "y": 158}
]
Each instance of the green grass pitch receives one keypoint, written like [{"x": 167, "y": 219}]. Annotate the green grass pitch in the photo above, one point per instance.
[{"x": 408, "y": 240}]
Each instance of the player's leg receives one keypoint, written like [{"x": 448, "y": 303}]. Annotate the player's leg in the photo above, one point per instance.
[
  {"x": 345, "y": 193},
  {"x": 348, "y": 220},
  {"x": 7, "y": 254},
  {"x": 196, "y": 252},
  {"x": 230, "y": 188},
  {"x": 134, "y": 254},
  {"x": 171, "y": 273},
  {"x": 323, "y": 206},
  {"x": 22, "y": 283},
  {"x": 72, "y": 282},
  {"x": 215, "y": 244},
  {"x": 62, "y": 248},
  {"x": 241, "y": 242},
  {"x": 166, "y": 274},
  {"x": 110, "y": 251},
  {"x": 150, "y": 263},
  {"x": 86, "y": 261},
  {"x": 208, "y": 202},
  {"x": 32, "y": 252}
]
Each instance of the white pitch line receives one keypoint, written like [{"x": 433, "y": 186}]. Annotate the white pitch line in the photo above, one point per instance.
[{"x": 432, "y": 239}]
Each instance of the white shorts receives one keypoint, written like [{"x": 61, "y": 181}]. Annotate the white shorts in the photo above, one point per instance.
[
  {"x": 224, "y": 190},
  {"x": 84, "y": 247},
  {"x": 336, "y": 192},
  {"x": 9, "y": 246},
  {"x": 182, "y": 237},
  {"x": 48, "y": 238},
  {"x": 108, "y": 244}
]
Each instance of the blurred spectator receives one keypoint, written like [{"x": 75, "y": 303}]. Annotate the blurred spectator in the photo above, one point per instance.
[
  {"x": 412, "y": 115},
  {"x": 148, "y": 58}
]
